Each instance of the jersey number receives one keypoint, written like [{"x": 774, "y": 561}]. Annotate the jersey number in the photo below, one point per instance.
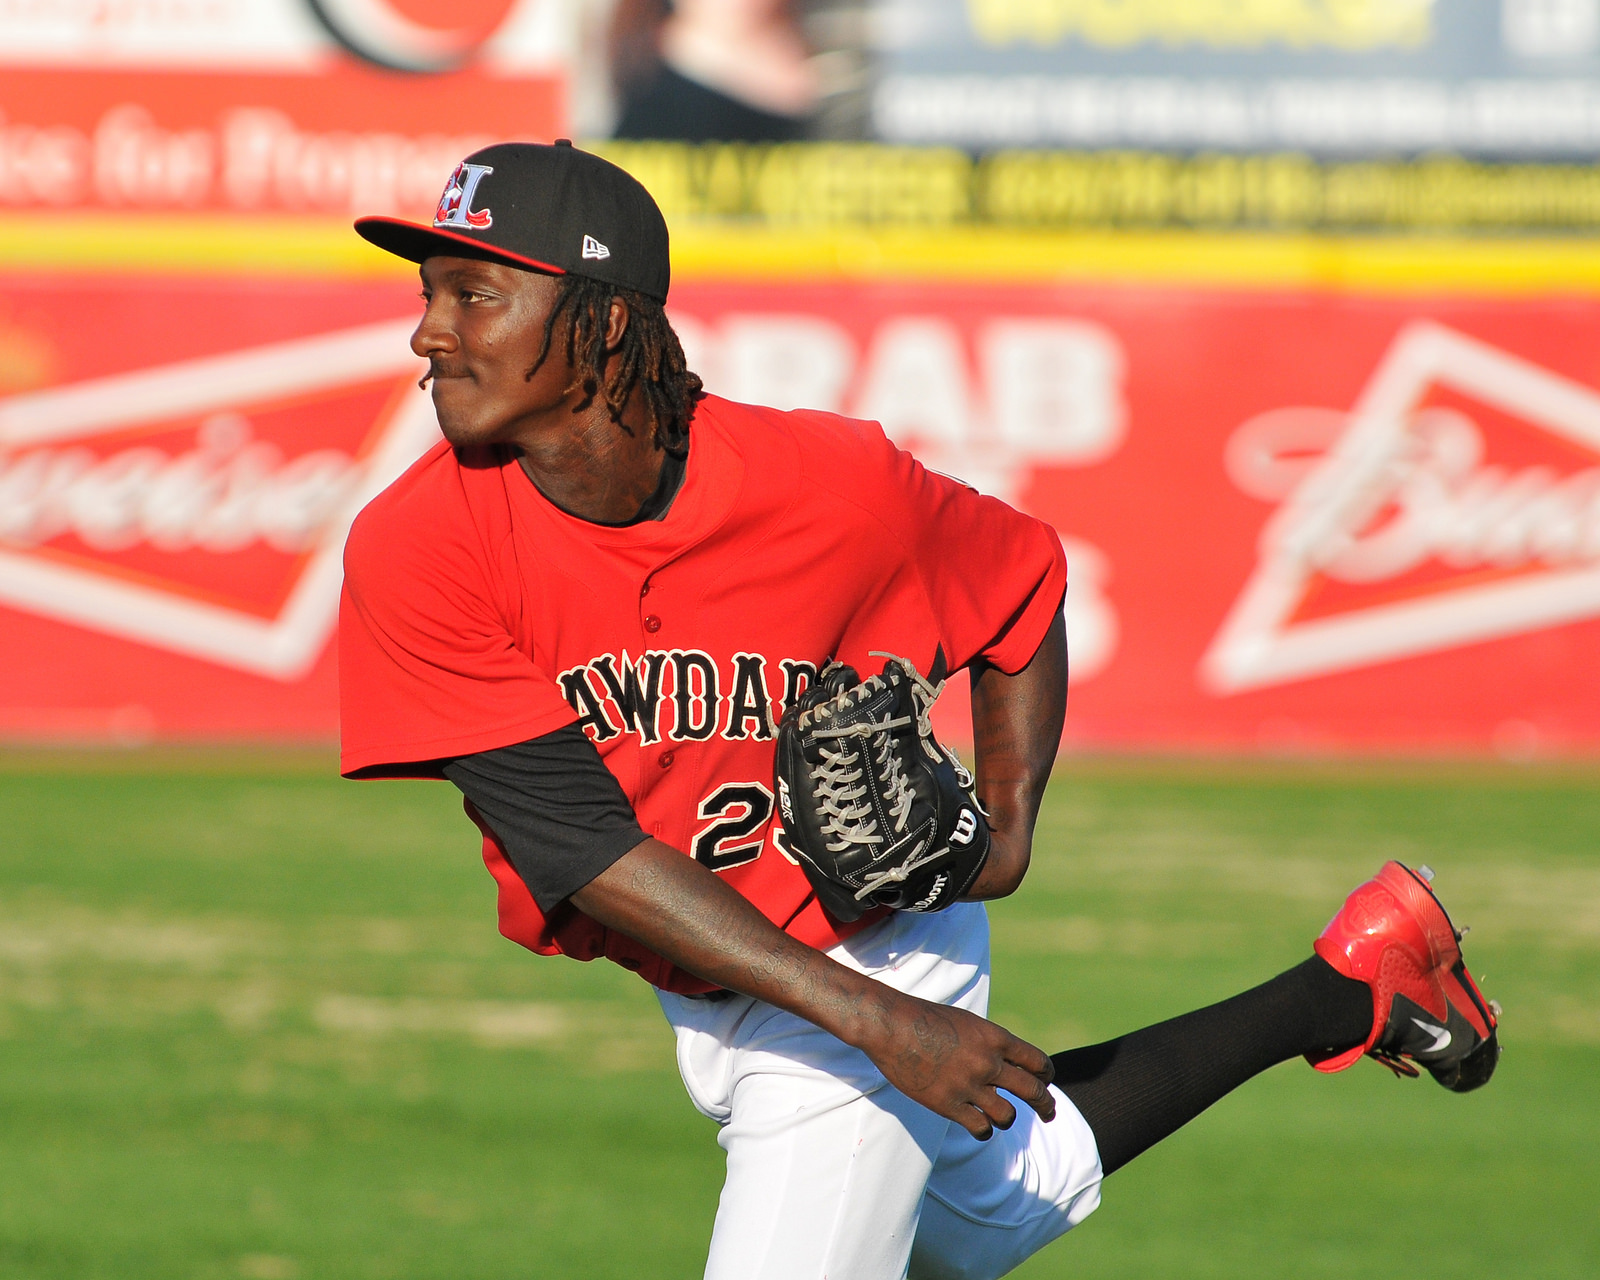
[{"x": 741, "y": 810}]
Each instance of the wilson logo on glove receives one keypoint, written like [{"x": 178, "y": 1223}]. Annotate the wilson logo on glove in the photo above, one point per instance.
[{"x": 966, "y": 828}]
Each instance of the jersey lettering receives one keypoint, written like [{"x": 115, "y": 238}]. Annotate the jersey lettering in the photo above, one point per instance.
[
  {"x": 741, "y": 810},
  {"x": 697, "y": 709},
  {"x": 581, "y": 695},
  {"x": 749, "y": 701},
  {"x": 636, "y": 691},
  {"x": 797, "y": 678},
  {"x": 780, "y": 842},
  {"x": 616, "y": 694}
]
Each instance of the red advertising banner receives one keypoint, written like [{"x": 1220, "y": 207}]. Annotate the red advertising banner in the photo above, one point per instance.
[
  {"x": 173, "y": 504},
  {"x": 1295, "y": 520}
]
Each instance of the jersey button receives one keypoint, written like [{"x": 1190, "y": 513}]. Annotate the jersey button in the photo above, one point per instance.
[
  {"x": 644, "y": 591},
  {"x": 652, "y": 623},
  {"x": 665, "y": 759}
]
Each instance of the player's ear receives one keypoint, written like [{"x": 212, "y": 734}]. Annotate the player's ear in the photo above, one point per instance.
[{"x": 617, "y": 323}]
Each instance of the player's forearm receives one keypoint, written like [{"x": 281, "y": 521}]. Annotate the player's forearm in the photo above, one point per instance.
[
  {"x": 682, "y": 911},
  {"x": 1016, "y": 726}
]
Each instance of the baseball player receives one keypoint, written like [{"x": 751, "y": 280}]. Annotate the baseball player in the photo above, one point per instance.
[{"x": 627, "y": 619}]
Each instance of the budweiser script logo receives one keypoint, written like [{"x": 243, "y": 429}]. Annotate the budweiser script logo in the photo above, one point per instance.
[
  {"x": 1400, "y": 497},
  {"x": 221, "y": 496},
  {"x": 200, "y": 507}
]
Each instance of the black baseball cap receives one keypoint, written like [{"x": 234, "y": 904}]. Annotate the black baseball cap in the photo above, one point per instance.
[{"x": 543, "y": 208}]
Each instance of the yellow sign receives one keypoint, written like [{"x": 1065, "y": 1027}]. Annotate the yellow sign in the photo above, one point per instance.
[
  {"x": 1221, "y": 24},
  {"x": 210, "y": 244}
]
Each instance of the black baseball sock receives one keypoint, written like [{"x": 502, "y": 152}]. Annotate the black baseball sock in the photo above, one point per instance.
[{"x": 1140, "y": 1087}]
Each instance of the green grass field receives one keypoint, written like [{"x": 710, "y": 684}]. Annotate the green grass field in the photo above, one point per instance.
[{"x": 257, "y": 1023}]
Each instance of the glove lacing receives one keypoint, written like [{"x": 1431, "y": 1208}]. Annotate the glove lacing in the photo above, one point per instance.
[{"x": 842, "y": 789}]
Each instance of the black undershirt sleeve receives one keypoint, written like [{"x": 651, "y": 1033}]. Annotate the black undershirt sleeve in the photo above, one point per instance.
[{"x": 557, "y": 809}]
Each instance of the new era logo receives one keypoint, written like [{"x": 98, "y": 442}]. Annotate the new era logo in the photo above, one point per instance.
[{"x": 592, "y": 248}]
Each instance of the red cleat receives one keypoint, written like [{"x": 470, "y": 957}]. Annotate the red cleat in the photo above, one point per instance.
[{"x": 1393, "y": 935}]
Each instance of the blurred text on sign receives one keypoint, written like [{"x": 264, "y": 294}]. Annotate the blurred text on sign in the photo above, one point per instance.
[{"x": 352, "y": 141}]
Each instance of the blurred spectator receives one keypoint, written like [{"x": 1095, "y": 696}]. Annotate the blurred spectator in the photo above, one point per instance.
[{"x": 712, "y": 70}]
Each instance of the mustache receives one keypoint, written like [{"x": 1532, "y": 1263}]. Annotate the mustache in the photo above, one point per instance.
[{"x": 440, "y": 369}]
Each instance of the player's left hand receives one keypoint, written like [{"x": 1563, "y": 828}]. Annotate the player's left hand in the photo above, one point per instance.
[
  {"x": 878, "y": 812},
  {"x": 955, "y": 1064}
]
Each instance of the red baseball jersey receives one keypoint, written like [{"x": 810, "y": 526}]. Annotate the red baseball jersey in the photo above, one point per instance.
[{"x": 477, "y": 615}]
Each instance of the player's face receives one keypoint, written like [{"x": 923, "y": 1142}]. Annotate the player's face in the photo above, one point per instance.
[{"x": 480, "y": 332}]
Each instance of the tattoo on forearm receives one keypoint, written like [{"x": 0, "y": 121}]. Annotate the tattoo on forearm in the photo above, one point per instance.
[{"x": 782, "y": 965}]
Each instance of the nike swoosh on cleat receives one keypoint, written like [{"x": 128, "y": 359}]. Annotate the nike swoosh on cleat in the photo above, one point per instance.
[{"x": 1441, "y": 1037}]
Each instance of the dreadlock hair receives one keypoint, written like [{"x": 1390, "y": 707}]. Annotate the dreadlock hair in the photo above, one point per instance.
[{"x": 650, "y": 357}]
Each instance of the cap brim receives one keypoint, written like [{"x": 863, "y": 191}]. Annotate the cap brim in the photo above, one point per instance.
[{"x": 414, "y": 242}]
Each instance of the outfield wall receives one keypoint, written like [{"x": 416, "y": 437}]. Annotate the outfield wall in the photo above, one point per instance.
[{"x": 1318, "y": 492}]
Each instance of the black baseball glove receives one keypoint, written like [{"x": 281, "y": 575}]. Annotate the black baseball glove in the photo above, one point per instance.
[{"x": 875, "y": 809}]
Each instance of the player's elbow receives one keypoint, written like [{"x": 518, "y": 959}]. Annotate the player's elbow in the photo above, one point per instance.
[
  {"x": 1011, "y": 873},
  {"x": 1003, "y": 872}
]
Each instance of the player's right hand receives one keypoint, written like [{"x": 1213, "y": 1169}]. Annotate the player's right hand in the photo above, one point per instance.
[
  {"x": 955, "y": 1063},
  {"x": 952, "y": 1062}
]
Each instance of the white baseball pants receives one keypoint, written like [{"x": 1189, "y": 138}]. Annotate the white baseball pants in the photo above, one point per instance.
[{"x": 833, "y": 1174}]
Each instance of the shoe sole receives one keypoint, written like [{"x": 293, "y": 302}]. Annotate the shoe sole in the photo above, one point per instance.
[{"x": 1473, "y": 1071}]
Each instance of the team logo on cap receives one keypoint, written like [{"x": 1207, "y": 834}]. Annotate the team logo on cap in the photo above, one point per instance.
[{"x": 455, "y": 205}]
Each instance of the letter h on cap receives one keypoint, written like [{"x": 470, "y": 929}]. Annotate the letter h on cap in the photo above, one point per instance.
[{"x": 455, "y": 205}]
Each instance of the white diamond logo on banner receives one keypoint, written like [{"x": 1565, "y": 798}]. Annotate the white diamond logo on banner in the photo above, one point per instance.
[
  {"x": 1405, "y": 484},
  {"x": 283, "y": 646}
]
